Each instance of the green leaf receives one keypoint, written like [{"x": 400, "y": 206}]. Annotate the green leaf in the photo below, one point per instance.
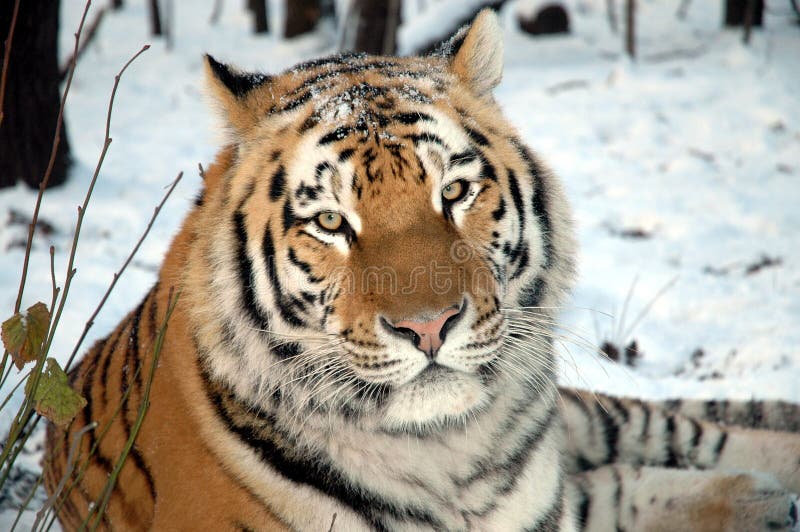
[
  {"x": 23, "y": 336},
  {"x": 53, "y": 398}
]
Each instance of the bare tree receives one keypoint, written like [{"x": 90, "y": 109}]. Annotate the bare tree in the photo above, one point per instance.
[
  {"x": 749, "y": 10},
  {"x": 32, "y": 97},
  {"x": 302, "y": 16},
  {"x": 736, "y": 12},
  {"x": 552, "y": 18},
  {"x": 630, "y": 28},
  {"x": 155, "y": 18},
  {"x": 259, "y": 10},
  {"x": 371, "y": 27},
  {"x": 611, "y": 13}
]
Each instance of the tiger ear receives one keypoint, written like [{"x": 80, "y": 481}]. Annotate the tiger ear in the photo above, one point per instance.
[
  {"x": 235, "y": 93},
  {"x": 476, "y": 53}
]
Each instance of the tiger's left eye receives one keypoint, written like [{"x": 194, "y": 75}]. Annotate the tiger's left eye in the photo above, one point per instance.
[
  {"x": 455, "y": 190},
  {"x": 330, "y": 221}
]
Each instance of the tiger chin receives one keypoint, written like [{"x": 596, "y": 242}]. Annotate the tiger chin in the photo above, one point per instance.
[{"x": 364, "y": 297}]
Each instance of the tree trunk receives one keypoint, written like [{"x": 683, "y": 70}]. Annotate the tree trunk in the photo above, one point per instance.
[
  {"x": 630, "y": 28},
  {"x": 374, "y": 27},
  {"x": 552, "y": 18},
  {"x": 259, "y": 10},
  {"x": 155, "y": 18},
  {"x": 736, "y": 12},
  {"x": 32, "y": 97},
  {"x": 301, "y": 17}
]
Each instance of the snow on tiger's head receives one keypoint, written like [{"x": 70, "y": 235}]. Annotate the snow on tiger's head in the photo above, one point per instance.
[{"x": 377, "y": 234}]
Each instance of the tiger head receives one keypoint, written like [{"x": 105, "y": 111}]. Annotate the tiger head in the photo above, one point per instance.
[{"x": 376, "y": 238}]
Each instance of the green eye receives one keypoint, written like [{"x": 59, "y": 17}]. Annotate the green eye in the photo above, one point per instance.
[
  {"x": 454, "y": 190},
  {"x": 330, "y": 221}
]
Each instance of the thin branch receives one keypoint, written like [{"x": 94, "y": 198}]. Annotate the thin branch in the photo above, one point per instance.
[
  {"x": 49, "y": 171},
  {"x": 18, "y": 423},
  {"x": 82, "y": 209},
  {"x": 7, "y": 57},
  {"x": 91, "y": 31},
  {"x": 67, "y": 473},
  {"x": 143, "y": 407},
  {"x": 25, "y": 410},
  {"x": 118, "y": 274}
]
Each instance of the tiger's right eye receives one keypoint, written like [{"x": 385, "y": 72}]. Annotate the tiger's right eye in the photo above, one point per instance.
[
  {"x": 454, "y": 191},
  {"x": 330, "y": 221}
]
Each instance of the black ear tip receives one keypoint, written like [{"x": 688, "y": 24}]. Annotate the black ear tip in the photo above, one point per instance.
[
  {"x": 239, "y": 84},
  {"x": 220, "y": 70}
]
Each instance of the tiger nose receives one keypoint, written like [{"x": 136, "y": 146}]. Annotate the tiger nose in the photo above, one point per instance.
[{"x": 427, "y": 336}]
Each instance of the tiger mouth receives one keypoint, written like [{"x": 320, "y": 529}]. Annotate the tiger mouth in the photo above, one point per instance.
[{"x": 433, "y": 372}]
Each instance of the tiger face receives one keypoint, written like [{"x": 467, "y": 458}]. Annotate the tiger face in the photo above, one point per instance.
[{"x": 387, "y": 223}]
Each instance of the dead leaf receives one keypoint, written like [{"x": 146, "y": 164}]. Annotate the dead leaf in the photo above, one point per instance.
[
  {"x": 23, "y": 336},
  {"x": 53, "y": 398}
]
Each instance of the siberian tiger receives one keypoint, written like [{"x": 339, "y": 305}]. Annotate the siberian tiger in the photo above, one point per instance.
[{"x": 362, "y": 336}]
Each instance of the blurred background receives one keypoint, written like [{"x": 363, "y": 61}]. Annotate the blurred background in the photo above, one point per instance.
[{"x": 674, "y": 125}]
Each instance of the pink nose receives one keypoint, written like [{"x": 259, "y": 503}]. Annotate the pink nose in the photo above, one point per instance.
[{"x": 427, "y": 336}]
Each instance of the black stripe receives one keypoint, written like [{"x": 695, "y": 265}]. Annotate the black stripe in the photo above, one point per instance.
[
  {"x": 282, "y": 302},
  {"x": 322, "y": 167},
  {"x": 346, "y": 154},
  {"x": 720, "y": 445},
  {"x": 610, "y": 432},
  {"x": 288, "y": 216},
  {"x": 712, "y": 411},
  {"x": 313, "y": 468},
  {"x": 697, "y": 432},
  {"x": 645, "y": 433},
  {"x": 477, "y": 136},
  {"x": 462, "y": 158},
  {"x": 671, "y": 459},
  {"x": 336, "y": 135},
  {"x": 412, "y": 118},
  {"x": 584, "y": 506},
  {"x": 487, "y": 169},
  {"x": 278, "y": 184},
  {"x": 532, "y": 295},
  {"x": 245, "y": 271},
  {"x": 539, "y": 203},
  {"x": 431, "y": 138},
  {"x": 307, "y": 124},
  {"x": 755, "y": 414},
  {"x": 134, "y": 358},
  {"x": 516, "y": 196},
  {"x": 500, "y": 211}
]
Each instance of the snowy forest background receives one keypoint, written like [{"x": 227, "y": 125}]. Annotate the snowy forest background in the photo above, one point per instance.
[{"x": 678, "y": 143}]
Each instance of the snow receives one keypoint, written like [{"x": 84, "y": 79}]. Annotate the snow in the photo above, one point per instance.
[{"x": 683, "y": 169}]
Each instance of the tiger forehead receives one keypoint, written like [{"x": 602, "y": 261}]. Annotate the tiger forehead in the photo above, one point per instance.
[{"x": 328, "y": 83}]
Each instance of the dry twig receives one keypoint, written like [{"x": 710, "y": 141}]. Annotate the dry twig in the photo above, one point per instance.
[
  {"x": 91, "y": 31},
  {"x": 119, "y": 272},
  {"x": 7, "y": 57}
]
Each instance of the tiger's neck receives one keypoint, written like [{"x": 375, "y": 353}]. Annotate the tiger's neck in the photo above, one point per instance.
[{"x": 454, "y": 477}]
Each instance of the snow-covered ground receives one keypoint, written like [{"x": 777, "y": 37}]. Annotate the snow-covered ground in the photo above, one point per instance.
[{"x": 683, "y": 169}]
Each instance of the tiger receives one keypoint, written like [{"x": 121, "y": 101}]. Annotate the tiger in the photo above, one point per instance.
[{"x": 354, "y": 330}]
